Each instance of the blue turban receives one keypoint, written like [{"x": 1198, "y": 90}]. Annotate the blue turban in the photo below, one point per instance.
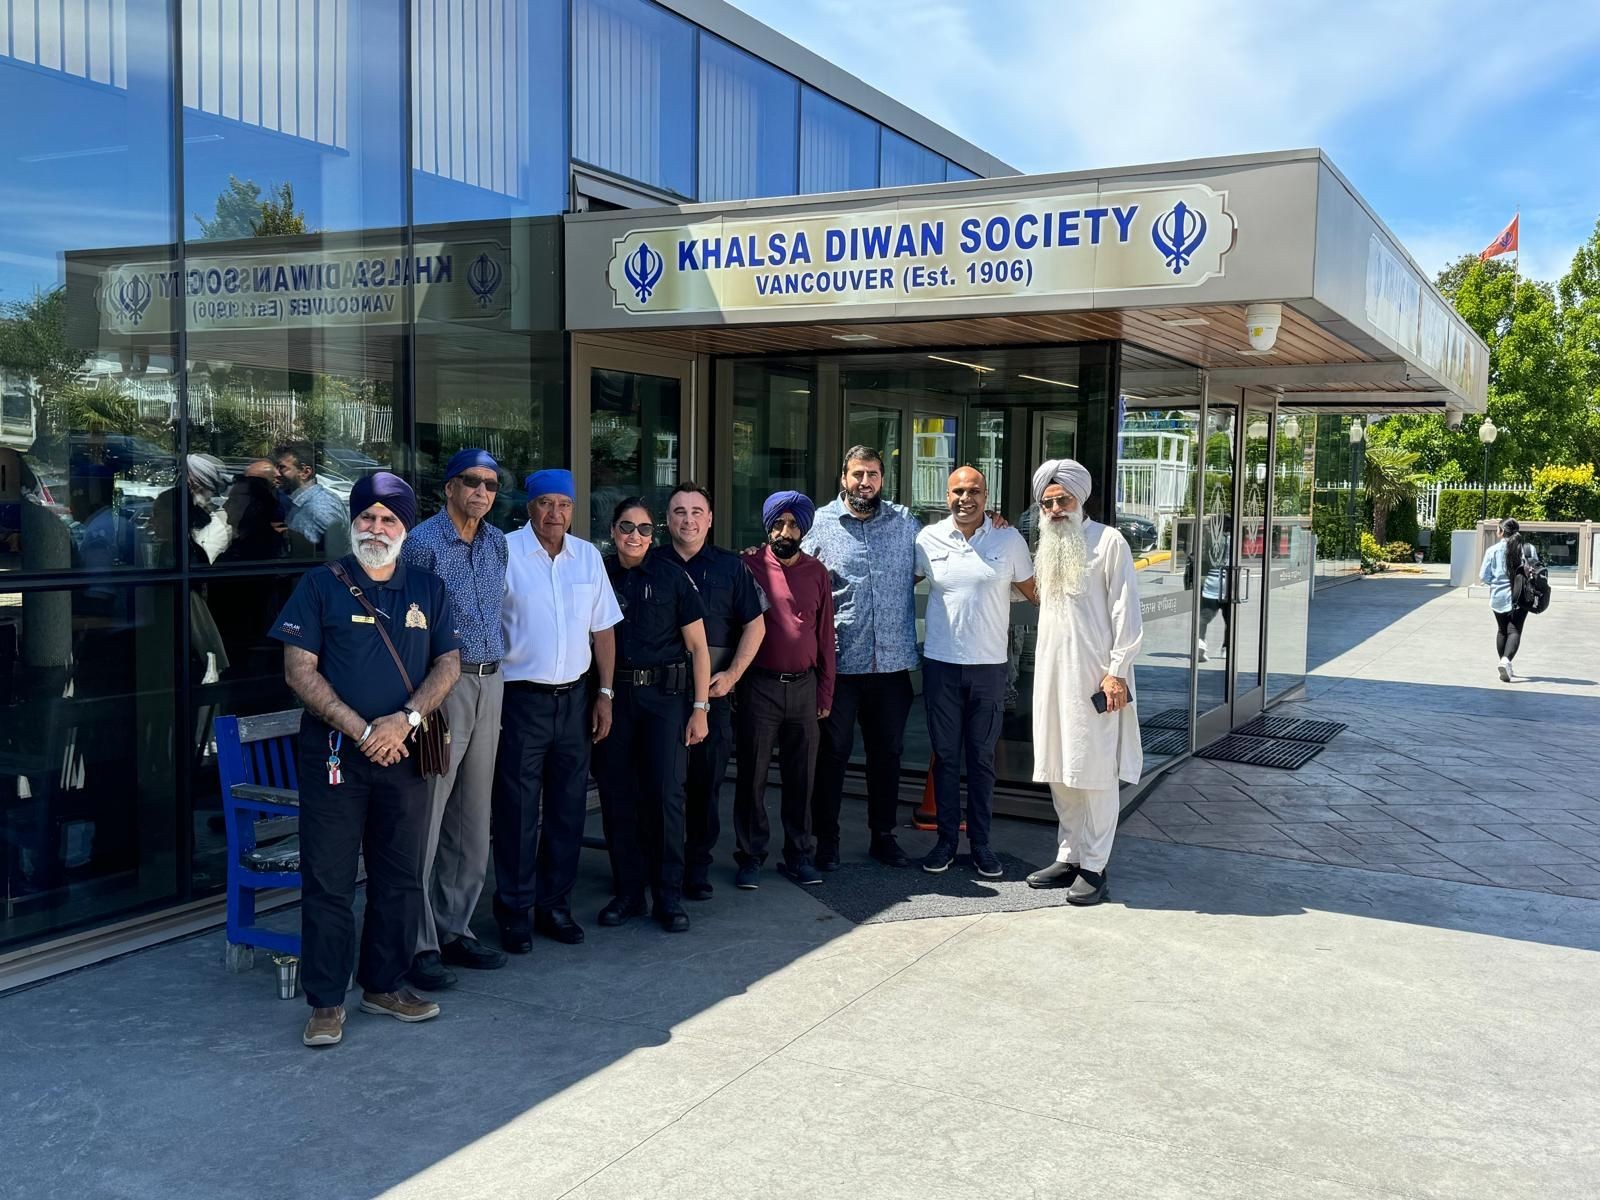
[
  {"x": 463, "y": 460},
  {"x": 388, "y": 489},
  {"x": 552, "y": 481},
  {"x": 797, "y": 503}
]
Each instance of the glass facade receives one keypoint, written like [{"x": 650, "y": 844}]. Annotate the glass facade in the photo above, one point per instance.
[{"x": 256, "y": 249}]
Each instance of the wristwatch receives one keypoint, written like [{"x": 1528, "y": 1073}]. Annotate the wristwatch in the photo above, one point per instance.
[
  {"x": 703, "y": 705},
  {"x": 413, "y": 717},
  {"x": 608, "y": 693}
]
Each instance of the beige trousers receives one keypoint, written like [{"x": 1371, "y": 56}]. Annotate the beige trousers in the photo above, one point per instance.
[{"x": 1088, "y": 818}]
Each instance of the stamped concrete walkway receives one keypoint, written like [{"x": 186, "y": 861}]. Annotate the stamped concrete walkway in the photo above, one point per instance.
[{"x": 1445, "y": 771}]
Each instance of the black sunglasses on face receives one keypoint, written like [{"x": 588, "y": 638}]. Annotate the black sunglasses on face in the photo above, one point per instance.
[
  {"x": 473, "y": 482},
  {"x": 1055, "y": 502},
  {"x": 643, "y": 528}
]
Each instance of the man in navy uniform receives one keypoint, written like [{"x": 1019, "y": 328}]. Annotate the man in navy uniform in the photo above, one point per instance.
[
  {"x": 734, "y": 629},
  {"x": 361, "y": 788}
]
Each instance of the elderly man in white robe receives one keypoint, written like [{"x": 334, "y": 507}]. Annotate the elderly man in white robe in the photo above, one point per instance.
[{"x": 1089, "y": 634}]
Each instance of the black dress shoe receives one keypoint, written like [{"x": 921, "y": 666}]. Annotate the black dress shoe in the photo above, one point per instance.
[
  {"x": 428, "y": 973},
  {"x": 515, "y": 936},
  {"x": 1088, "y": 888},
  {"x": 558, "y": 925},
  {"x": 472, "y": 954},
  {"x": 670, "y": 916},
  {"x": 622, "y": 908},
  {"x": 827, "y": 857},
  {"x": 1056, "y": 875},
  {"x": 697, "y": 889},
  {"x": 886, "y": 849}
]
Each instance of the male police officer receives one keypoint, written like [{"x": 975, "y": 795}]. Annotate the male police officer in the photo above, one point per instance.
[
  {"x": 463, "y": 549},
  {"x": 360, "y": 786},
  {"x": 734, "y": 629},
  {"x": 557, "y": 597}
]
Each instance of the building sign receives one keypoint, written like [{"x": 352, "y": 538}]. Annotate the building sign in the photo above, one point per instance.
[
  {"x": 450, "y": 281},
  {"x": 1053, "y": 244},
  {"x": 1397, "y": 304}
]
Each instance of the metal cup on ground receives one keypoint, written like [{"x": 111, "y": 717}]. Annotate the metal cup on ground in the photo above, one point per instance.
[{"x": 288, "y": 975}]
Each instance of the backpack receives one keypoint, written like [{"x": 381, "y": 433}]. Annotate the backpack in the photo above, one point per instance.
[{"x": 1530, "y": 586}]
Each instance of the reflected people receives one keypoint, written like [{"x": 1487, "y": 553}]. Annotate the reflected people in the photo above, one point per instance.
[
  {"x": 1085, "y": 726},
  {"x": 313, "y": 509}
]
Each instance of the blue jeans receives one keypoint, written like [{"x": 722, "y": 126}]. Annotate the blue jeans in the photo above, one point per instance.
[{"x": 966, "y": 708}]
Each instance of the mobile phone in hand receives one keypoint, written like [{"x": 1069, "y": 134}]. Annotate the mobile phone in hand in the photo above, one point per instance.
[{"x": 1099, "y": 700}]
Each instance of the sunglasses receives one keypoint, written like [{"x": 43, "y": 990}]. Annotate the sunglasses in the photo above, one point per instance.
[
  {"x": 473, "y": 482},
  {"x": 1056, "y": 502},
  {"x": 643, "y": 528}
]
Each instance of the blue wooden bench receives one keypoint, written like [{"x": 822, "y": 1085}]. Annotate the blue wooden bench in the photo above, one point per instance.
[{"x": 260, "y": 807}]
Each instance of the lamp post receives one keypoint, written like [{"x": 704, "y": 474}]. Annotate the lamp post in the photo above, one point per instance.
[
  {"x": 1357, "y": 433},
  {"x": 1486, "y": 434}
]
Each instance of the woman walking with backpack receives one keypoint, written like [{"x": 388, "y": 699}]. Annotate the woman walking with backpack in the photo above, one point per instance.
[{"x": 1508, "y": 569}]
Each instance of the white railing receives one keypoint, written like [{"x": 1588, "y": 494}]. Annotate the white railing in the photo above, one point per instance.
[{"x": 1428, "y": 497}]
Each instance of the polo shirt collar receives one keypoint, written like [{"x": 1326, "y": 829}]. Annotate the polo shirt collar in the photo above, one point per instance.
[
  {"x": 365, "y": 582},
  {"x": 948, "y": 531}
]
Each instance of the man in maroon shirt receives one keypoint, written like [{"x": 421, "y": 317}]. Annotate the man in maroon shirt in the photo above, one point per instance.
[{"x": 784, "y": 694}]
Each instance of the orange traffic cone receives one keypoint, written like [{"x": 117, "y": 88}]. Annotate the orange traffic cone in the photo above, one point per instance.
[{"x": 927, "y": 814}]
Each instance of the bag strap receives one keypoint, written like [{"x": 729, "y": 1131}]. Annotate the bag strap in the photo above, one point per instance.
[{"x": 343, "y": 577}]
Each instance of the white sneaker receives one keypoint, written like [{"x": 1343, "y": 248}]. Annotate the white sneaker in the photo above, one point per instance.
[
  {"x": 1203, "y": 656},
  {"x": 1505, "y": 670}
]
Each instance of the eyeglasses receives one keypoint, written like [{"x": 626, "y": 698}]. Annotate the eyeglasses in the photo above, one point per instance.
[
  {"x": 643, "y": 528},
  {"x": 473, "y": 482},
  {"x": 1056, "y": 502}
]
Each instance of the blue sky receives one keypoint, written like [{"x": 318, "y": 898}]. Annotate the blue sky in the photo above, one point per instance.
[{"x": 1447, "y": 116}]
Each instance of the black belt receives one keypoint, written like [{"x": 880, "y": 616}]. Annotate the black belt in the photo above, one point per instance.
[
  {"x": 647, "y": 677},
  {"x": 784, "y": 676},
  {"x": 479, "y": 668},
  {"x": 545, "y": 689}
]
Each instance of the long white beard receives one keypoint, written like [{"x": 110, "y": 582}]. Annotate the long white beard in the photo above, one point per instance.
[
  {"x": 374, "y": 550},
  {"x": 1061, "y": 563}
]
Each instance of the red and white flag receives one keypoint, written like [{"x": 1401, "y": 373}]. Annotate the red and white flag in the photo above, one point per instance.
[{"x": 1504, "y": 244}]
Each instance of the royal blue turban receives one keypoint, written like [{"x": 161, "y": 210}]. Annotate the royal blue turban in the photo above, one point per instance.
[
  {"x": 552, "y": 481},
  {"x": 797, "y": 503},
  {"x": 463, "y": 460},
  {"x": 388, "y": 489}
]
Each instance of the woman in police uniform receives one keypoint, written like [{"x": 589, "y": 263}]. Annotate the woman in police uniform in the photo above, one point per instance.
[{"x": 663, "y": 684}]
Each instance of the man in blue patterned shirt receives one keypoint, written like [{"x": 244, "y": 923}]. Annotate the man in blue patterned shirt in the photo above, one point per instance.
[
  {"x": 869, "y": 546},
  {"x": 469, "y": 554},
  {"x": 314, "y": 512}
]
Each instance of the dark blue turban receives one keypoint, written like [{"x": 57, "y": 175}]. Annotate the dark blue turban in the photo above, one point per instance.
[
  {"x": 463, "y": 460},
  {"x": 797, "y": 503},
  {"x": 388, "y": 489},
  {"x": 552, "y": 481}
]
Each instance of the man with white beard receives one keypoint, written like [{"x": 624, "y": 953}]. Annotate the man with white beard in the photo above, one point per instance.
[
  {"x": 361, "y": 788},
  {"x": 1085, "y": 729}
]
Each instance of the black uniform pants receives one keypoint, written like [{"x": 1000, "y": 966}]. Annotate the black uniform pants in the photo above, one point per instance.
[
  {"x": 381, "y": 812},
  {"x": 641, "y": 769},
  {"x": 966, "y": 709},
  {"x": 541, "y": 784},
  {"x": 708, "y": 763},
  {"x": 775, "y": 714},
  {"x": 881, "y": 702}
]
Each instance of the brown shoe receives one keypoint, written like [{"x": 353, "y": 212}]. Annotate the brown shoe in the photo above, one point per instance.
[
  {"x": 404, "y": 1005},
  {"x": 325, "y": 1028}
]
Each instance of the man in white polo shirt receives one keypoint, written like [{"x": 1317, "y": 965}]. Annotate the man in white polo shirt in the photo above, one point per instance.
[{"x": 971, "y": 568}]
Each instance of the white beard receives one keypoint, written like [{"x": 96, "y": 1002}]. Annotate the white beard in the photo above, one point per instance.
[
  {"x": 373, "y": 550},
  {"x": 1061, "y": 562}
]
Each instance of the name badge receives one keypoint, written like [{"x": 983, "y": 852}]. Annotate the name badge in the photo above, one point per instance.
[{"x": 360, "y": 619}]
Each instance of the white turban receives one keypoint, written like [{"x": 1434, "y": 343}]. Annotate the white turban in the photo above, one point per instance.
[
  {"x": 1073, "y": 476},
  {"x": 208, "y": 472}
]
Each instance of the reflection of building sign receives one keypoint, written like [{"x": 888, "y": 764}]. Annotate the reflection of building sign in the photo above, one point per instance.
[
  {"x": 1152, "y": 607},
  {"x": 1046, "y": 245},
  {"x": 451, "y": 281}
]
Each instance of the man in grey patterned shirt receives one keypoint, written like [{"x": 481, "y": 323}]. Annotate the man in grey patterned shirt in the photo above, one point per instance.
[{"x": 869, "y": 546}]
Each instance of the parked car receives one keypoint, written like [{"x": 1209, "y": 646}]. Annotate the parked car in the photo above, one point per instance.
[{"x": 1141, "y": 534}]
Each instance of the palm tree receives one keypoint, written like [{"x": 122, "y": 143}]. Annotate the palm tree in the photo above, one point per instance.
[{"x": 1391, "y": 480}]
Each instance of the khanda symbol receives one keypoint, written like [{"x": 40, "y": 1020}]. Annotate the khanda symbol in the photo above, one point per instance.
[
  {"x": 643, "y": 269},
  {"x": 483, "y": 277},
  {"x": 1178, "y": 234},
  {"x": 134, "y": 296}
]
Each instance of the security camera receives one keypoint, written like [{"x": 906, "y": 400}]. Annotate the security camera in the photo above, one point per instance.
[
  {"x": 1453, "y": 417},
  {"x": 1261, "y": 322}
]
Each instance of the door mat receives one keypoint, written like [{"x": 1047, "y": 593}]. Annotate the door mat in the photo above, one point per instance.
[
  {"x": 1164, "y": 743},
  {"x": 869, "y": 893},
  {"x": 1168, "y": 718},
  {"x": 1293, "y": 728},
  {"x": 1261, "y": 752}
]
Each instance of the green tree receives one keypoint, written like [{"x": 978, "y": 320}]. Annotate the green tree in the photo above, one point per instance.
[
  {"x": 1391, "y": 480},
  {"x": 1579, "y": 291},
  {"x": 242, "y": 212}
]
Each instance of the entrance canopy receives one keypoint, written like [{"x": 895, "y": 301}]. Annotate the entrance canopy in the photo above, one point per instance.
[{"x": 1268, "y": 270}]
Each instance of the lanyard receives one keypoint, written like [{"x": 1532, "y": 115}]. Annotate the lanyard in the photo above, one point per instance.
[{"x": 335, "y": 741}]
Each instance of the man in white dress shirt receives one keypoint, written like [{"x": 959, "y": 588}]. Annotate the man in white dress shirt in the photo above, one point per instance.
[
  {"x": 971, "y": 568},
  {"x": 1089, "y": 635},
  {"x": 557, "y": 598}
]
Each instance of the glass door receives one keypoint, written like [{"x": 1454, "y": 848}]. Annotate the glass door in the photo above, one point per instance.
[
  {"x": 630, "y": 432},
  {"x": 1250, "y": 575},
  {"x": 1210, "y": 569}
]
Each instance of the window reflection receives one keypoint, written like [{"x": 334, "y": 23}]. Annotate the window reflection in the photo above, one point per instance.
[
  {"x": 774, "y": 435},
  {"x": 1290, "y": 547},
  {"x": 633, "y": 443}
]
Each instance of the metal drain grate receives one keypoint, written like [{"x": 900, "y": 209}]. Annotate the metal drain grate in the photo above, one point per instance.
[
  {"x": 1321, "y": 732},
  {"x": 1170, "y": 718},
  {"x": 1164, "y": 743},
  {"x": 1261, "y": 752}
]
